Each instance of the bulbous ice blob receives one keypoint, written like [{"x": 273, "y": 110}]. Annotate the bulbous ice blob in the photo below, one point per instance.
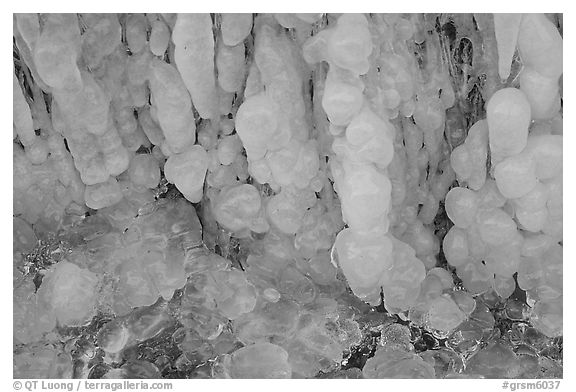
[
  {"x": 237, "y": 206},
  {"x": 187, "y": 170},
  {"x": 296, "y": 164},
  {"x": 104, "y": 194},
  {"x": 231, "y": 65},
  {"x": 342, "y": 100},
  {"x": 540, "y": 45},
  {"x": 546, "y": 151},
  {"x": 171, "y": 109},
  {"x": 284, "y": 214},
  {"x": 489, "y": 196},
  {"x": 504, "y": 286},
  {"x": 71, "y": 291},
  {"x": 365, "y": 195},
  {"x": 136, "y": 31},
  {"x": 477, "y": 143},
  {"x": 86, "y": 108},
  {"x": 314, "y": 48},
  {"x": 144, "y": 170},
  {"x": 534, "y": 200},
  {"x": 396, "y": 363},
  {"x": 236, "y": 295},
  {"x": 364, "y": 259},
  {"x": 536, "y": 245},
  {"x": 461, "y": 205},
  {"x": 547, "y": 317},
  {"x": 475, "y": 276},
  {"x": 159, "y": 37},
  {"x": 23, "y": 238},
  {"x": 296, "y": 286},
  {"x": 444, "y": 314},
  {"x": 257, "y": 124},
  {"x": 194, "y": 57},
  {"x": 38, "y": 152},
  {"x": 57, "y": 50},
  {"x": 350, "y": 43},
  {"x": 402, "y": 281},
  {"x": 228, "y": 148},
  {"x": 495, "y": 226},
  {"x": 235, "y": 27},
  {"x": 503, "y": 259},
  {"x": 532, "y": 220},
  {"x": 455, "y": 246},
  {"x": 43, "y": 361},
  {"x": 553, "y": 225},
  {"x": 371, "y": 138},
  {"x": 508, "y": 113},
  {"x": 461, "y": 162},
  {"x": 29, "y": 27},
  {"x": 542, "y": 92},
  {"x": 422, "y": 239},
  {"x": 494, "y": 361},
  {"x": 429, "y": 113},
  {"x": 465, "y": 301},
  {"x": 260, "y": 360},
  {"x": 179, "y": 130},
  {"x": 516, "y": 176}
]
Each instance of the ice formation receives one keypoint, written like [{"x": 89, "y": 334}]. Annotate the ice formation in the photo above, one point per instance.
[{"x": 287, "y": 195}]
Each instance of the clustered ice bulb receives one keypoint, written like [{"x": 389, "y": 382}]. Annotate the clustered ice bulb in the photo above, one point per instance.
[{"x": 234, "y": 195}]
